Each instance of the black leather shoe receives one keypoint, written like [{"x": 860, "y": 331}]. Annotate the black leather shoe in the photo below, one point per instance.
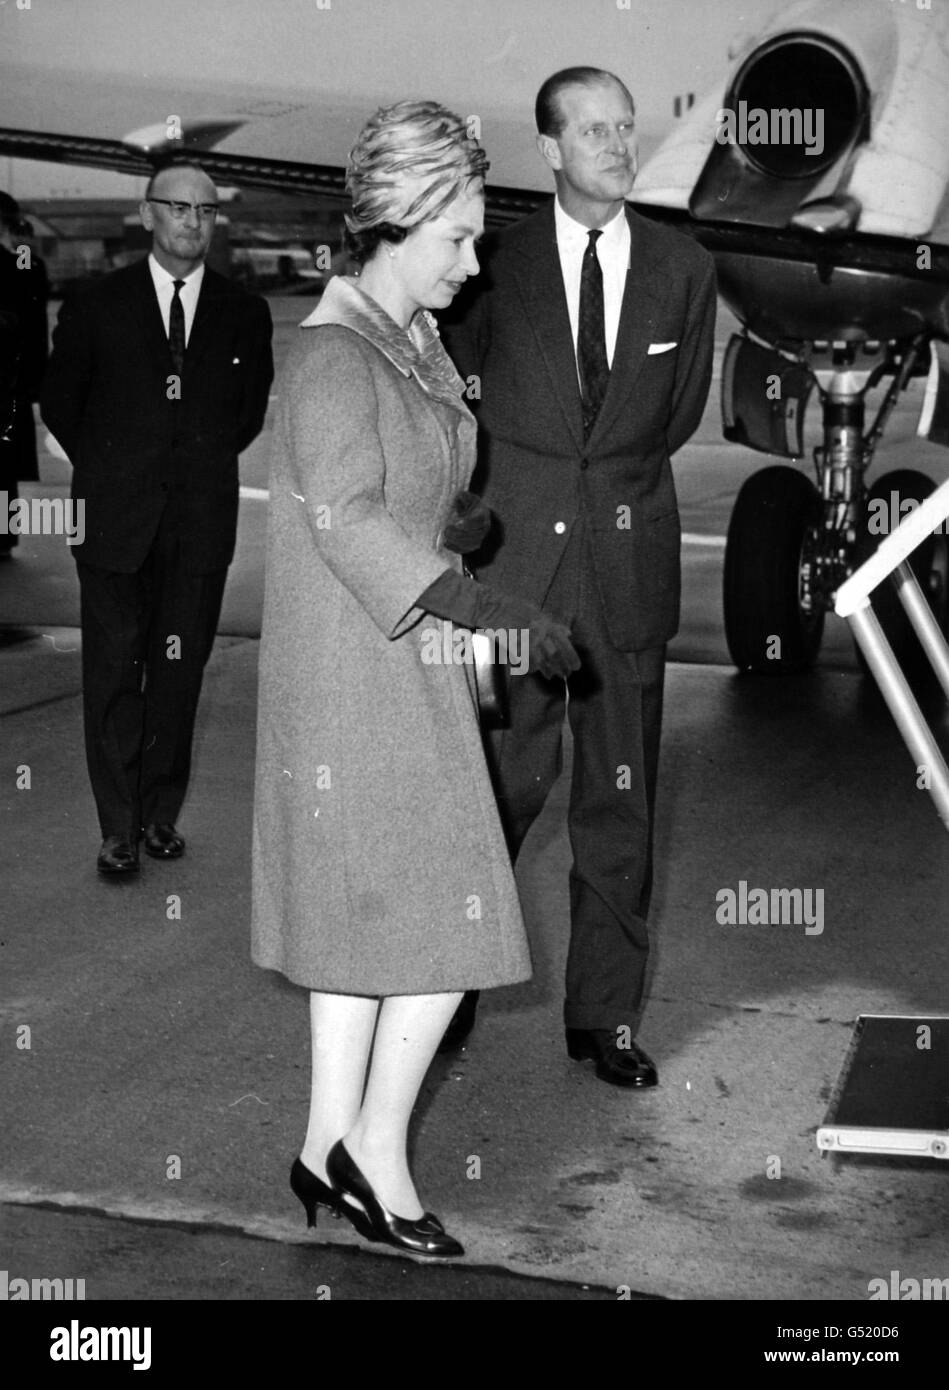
[
  {"x": 620, "y": 1066},
  {"x": 162, "y": 841},
  {"x": 426, "y": 1236},
  {"x": 313, "y": 1192},
  {"x": 462, "y": 1023},
  {"x": 118, "y": 855}
]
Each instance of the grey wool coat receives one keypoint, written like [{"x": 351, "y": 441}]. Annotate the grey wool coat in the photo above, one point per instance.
[{"x": 379, "y": 863}]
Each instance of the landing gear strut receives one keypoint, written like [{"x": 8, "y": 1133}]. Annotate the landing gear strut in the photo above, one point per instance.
[{"x": 790, "y": 544}]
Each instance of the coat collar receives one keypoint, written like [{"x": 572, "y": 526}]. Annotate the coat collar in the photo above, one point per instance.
[
  {"x": 416, "y": 351},
  {"x": 545, "y": 303},
  {"x": 213, "y": 291},
  {"x": 142, "y": 301}
]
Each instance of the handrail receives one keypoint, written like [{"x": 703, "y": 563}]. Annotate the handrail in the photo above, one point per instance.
[
  {"x": 853, "y": 603},
  {"x": 921, "y": 522}
]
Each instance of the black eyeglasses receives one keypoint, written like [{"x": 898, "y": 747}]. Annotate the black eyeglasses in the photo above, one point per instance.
[{"x": 181, "y": 210}]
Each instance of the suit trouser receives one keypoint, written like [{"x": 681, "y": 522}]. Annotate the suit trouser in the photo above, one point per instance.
[
  {"x": 615, "y": 711},
  {"x": 141, "y": 687}
]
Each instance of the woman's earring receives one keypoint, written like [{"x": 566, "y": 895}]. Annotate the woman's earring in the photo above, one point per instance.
[{"x": 391, "y": 253}]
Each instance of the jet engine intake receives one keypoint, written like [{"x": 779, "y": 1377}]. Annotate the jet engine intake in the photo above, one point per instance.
[{"x": 794, "y": 113}]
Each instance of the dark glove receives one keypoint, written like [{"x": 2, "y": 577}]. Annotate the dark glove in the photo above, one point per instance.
[
  {"x": 469, "y": 521},
  {"x": 549, "y": 649},
  {"x": 470, "y": 604}
]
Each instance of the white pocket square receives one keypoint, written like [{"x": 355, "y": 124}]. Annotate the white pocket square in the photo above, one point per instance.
[{"x": 660, "y": 347}]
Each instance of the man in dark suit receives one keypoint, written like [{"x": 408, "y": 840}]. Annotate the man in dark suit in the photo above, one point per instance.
[
  {"x": 9, "y": 366},
  {"x": 590, "y": 331},
  {"x": 23, "y": 295},
  {"x": 158, "y": 379}
]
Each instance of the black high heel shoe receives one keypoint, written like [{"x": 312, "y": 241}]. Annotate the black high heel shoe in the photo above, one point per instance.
[
  {"x": 313, "y": 1192},
  {"x": 463, "y": 1020},
  {"x": 427, "y": 1236}
]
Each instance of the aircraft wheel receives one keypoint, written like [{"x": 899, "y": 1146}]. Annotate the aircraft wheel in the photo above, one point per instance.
[
  {"x": 769, "y": 536},
  {"x": 930, "y": 563}
]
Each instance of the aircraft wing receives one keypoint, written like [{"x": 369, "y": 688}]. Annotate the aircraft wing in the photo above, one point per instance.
[
  {"x": 247, "y": 171},
  {"x": 124, "y": 157},
  {"x": 856, "y": 252}
]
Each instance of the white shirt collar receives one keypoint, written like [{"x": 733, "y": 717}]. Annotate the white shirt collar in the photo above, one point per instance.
[
  {"x": 570, "y": 231},
  {"x": 161, "y": 277}
]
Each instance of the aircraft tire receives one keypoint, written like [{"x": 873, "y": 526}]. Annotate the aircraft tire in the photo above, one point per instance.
[
  {"x": 930, "y": 563},
  {"x": 765, "y": 627}
]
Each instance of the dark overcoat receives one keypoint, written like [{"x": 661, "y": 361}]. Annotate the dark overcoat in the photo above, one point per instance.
[{"x": 379, "y": 864}]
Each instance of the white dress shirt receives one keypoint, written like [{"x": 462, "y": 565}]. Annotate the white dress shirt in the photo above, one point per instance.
[
  {"x": 165, "y": 289},
  {"x": 612, "y": 250}
]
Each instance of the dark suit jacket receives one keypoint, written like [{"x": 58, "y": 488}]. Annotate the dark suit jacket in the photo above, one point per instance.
[
  {"x": 23, "y": 296},
  {"x": 535, "y": 470},
  {"x": 135, "y": 451},
  {"x": 9, "y": 366}
]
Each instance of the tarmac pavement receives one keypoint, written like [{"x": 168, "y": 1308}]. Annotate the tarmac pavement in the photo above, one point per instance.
[
  {"x": 166, "y": 1076},
  {"x": 150, "y": 1123}
]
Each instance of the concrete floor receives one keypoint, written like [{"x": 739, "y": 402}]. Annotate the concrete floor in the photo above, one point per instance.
[{"x": 152, "y": 1037}]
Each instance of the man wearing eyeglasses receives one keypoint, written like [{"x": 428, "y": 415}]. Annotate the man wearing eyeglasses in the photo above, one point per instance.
[{"x": 158, "y": 380}]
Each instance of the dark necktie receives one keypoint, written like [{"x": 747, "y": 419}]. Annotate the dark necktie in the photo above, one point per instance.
[
  {"x": 591, "y": 335},
  {"x": 176, "y": 329}
]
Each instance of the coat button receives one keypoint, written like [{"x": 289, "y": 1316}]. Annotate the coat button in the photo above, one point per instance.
[{"x": 560, "y": 527}]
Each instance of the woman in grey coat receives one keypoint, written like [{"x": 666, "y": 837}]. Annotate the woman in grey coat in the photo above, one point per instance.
[{"x": 381, "y": 878}]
